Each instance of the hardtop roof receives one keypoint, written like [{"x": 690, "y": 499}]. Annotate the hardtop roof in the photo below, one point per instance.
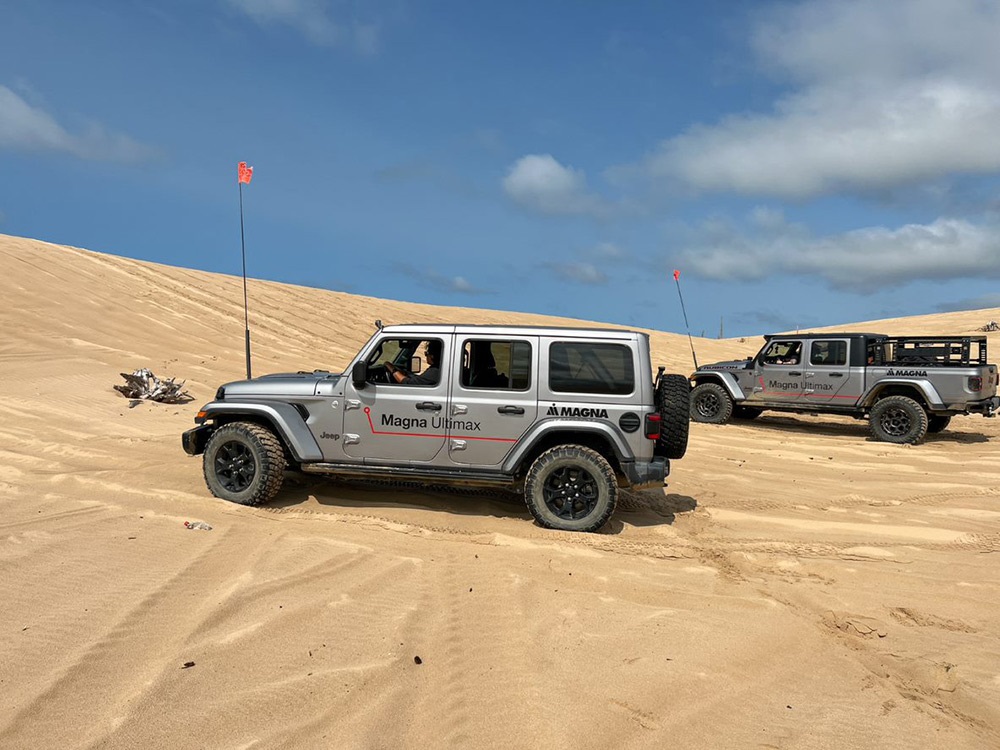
[{"x": 500, "y": 330}]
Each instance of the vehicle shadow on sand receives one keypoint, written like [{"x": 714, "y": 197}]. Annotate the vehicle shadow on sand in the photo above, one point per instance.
[
  {"x": 636, "y": 508},
  {"x": 859, "y": 428}
]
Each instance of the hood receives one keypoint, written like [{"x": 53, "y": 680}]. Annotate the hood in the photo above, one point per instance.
[
  {"x": 280, "y": 384},
  {"x": 735, "y": 364}
]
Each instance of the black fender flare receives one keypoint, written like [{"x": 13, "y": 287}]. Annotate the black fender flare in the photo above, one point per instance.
[{"x": 282, "y": 417}]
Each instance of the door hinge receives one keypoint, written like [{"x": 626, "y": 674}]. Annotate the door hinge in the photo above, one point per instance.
[{"x": 350, "y": 439}]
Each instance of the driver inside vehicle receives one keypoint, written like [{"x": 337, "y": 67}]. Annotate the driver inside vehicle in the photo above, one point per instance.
[{"x": 431, "y": 374}]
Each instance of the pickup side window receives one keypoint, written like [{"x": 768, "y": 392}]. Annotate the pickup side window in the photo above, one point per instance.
[
  {"x": 828, "y": 353},
  {"x": 496, "y": 365},
  {"x": 782, "y": 353},
  {"x": 591, "y": 368}
]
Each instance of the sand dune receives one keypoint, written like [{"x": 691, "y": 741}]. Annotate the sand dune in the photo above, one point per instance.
[{"x": 795, "y": 585}]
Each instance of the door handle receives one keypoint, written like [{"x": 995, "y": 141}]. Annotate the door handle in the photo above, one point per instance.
[
  {"x": 795, "y": 373},
  {"x": 836, "y": 374},
  {"x": 510, "y": 410},
  {"x": 429, "y": 406}
]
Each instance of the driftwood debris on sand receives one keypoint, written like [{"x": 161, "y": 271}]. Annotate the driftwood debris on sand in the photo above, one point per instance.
[{"x": 143, "y": 385}]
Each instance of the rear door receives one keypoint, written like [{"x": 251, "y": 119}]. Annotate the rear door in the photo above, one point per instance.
[
  {"x": 494, "y": 397},
  {"x": 829, "y": 378}
]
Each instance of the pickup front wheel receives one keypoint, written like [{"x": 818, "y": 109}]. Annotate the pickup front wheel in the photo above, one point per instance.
[
  {"x": 711, "y": 403},
  {"x": 244, "y": 463},
  {"x": 571, "y": 488},
  {"x": 898, "y": 419}
]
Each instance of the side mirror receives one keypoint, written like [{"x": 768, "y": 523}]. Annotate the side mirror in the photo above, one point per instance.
[
  {"x": 414, "y": 364},
  {"x": 359, "y": 374}
]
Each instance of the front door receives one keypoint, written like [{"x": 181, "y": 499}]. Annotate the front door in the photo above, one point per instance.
[
  {"x": 494, "y": 397},
  {"x": 779, "y": 374},
  {"x": 389, "y": 421}
]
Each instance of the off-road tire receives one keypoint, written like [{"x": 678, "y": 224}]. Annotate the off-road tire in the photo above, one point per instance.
[
  {"x": 673, "y": 401},
  {"x": 711, "y": 403},
  {"x": 569, "y": 468},
  {"x": 937, "y": 422},
  {"x": 244, "y": 463},
  {"x": 746, "y": 412},
  {"x": 898, "y": 419}
]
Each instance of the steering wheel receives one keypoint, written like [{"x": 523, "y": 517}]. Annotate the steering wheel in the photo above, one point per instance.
[
  {"x": 379, "y": 374},
  {"x": 391, "y": 368}
]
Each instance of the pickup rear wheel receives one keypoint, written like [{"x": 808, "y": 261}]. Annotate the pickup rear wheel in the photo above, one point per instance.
[
  {"x": 673, "y": 401},
  {"x": 938, "y": 422},
  {"x": 898, "y": 419},
  {"x": 711, "y": 403},
  {"x": 571, "y": 488},
  {"x": 244, "y": 463}
]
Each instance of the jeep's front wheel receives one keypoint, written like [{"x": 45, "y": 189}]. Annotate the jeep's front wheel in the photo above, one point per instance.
[
  {"x": 244, "y": 463},
  {"x": 711, "y": 403},
  {"x": 571, "y": 488},
  {"x": 898, "y": 419}
]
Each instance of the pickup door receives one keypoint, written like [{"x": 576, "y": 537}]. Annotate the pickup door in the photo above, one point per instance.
[
  {"x": 828, "y": 376},
  {"x": 778, "y": 374}
]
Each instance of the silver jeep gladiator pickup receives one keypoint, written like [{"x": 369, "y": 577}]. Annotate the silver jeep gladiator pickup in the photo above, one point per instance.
[
  {"x": 906, "y": 386},
  {"x": 564, "y": 415}
]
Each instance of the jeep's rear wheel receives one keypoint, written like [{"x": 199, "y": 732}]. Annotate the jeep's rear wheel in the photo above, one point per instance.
[
  {"x": 898, "y": 419},
  {"x": 673, "y": 401},
  {"x": 938, "y": 422},
  {"x": 711, "y": 403},
  {"x": 571, "y": 488},
  {"x": 244, "y": 463}
]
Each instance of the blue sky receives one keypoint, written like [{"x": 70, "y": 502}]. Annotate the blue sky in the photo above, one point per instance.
[{"x": 802, "y": 163}]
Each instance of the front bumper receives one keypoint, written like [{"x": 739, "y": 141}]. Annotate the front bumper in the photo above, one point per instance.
[
  {"x": 195, "y": 439},
  {"x": 645, "y": 474}
]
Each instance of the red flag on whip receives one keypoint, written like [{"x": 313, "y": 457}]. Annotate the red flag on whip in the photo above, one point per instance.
[
  {"x": 244, "y": 174},
  {"x": 687, "y": 326}
]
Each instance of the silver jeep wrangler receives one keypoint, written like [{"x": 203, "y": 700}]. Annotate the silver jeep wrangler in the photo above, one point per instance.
[{"x": 564, "y": 415}]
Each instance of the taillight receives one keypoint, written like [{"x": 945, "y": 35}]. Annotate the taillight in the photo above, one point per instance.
[
  {"x": 975, "y": 383},
  {"x": 653, "y": 426}
]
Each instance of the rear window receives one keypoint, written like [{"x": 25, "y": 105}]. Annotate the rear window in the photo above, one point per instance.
[{"x": 591, "y": 368}]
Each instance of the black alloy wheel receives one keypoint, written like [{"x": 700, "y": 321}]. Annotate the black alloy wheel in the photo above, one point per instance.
[{"x": 235, "y": 466}]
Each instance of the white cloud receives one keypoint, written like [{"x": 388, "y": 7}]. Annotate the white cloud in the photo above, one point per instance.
[
  {"x": 885, "y": 93},
  {"x": 581, "y": 273},
  {"x": 540, "y": 183},
  {"x": 24, "y": 127},
  {"x": 983, "y": 302},
  {"x": 862, "y": 260},
  {"x": 311, "y": 18}
]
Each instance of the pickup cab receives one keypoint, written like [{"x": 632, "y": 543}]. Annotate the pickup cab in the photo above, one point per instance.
[{"x": 906, "y": 386}]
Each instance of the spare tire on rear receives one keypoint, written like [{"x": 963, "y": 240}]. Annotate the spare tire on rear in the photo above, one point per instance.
[{"x": 673, "y": 401}]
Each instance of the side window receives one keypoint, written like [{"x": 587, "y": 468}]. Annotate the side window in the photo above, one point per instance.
[
  {"x": 591, "y": 368},
  {"x": 392, "y": 359},
  {"x": 497, "y": 365},
  {"x": 828, "y": 353},
  {"x": 783, "y": 353}
]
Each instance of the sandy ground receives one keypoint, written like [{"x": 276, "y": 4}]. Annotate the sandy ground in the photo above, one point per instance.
[{"x": 795, "y": 586}]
